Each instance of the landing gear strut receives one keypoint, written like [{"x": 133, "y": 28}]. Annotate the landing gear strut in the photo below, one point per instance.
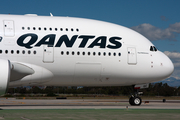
[{"x": 135, "y": 99}]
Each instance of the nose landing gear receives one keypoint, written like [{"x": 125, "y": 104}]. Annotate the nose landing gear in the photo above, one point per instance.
[{"x": 135, "y": 100}]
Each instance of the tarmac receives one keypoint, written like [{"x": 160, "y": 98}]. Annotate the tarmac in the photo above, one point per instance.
[{"x": 12, "y": 103}]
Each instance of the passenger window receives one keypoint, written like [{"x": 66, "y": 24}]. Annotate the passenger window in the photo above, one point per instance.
[
  {"x": 94, "y": 53},
  {"x": 78, "y": 53},
  {"x": 99, "y": 53},
  {"x": 62, "y": 52},
  {"x": 67, "y": 53},
  {"x": 114, "y": 54},
  {"x": 83, "y": 53},
  {"x": 119, "y": 54},
  {"x": 73, "y": 53},
  {"x": 34, "y": 52}
]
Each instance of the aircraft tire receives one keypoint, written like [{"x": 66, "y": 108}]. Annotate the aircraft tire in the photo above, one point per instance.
[
  {"x": 136, "y": 101},
  {"x": 131, "y": 100}
]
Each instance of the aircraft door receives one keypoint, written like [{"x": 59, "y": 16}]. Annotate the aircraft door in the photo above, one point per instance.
[
  {"x": 132, "y": 57},
  {"x": 48, "y": 54},
  {"x": 8, "y": 28}
]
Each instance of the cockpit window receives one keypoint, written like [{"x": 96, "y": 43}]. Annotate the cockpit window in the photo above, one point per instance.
[{"x": 153, "y": 48}]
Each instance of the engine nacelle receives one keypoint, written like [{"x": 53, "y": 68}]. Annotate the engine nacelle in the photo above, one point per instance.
[{"x": 5, "y": 71}]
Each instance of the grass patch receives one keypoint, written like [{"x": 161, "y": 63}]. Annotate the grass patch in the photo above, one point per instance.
[{"x": 100, "y": 114}]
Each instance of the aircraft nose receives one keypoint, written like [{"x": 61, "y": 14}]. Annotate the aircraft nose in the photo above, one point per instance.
[{"x": 167, "y": 65}]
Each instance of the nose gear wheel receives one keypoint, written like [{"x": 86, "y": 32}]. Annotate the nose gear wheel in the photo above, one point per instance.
[{"x": 135, "y": 100}]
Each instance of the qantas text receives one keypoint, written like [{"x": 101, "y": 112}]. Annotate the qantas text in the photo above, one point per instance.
[{"x": 29, "y": 40}]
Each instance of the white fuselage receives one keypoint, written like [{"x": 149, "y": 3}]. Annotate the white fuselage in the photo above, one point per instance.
[{"x": 65, "y": 51}]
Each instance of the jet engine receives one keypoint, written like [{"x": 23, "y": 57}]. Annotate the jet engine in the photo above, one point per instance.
[{"x": 5, "y": 71}]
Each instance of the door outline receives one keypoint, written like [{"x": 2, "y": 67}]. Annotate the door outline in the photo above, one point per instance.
[
  {"x": 9, "y": 28},
  {"x": 132, "y": 56},
  {"x": 48, "y": 54}
]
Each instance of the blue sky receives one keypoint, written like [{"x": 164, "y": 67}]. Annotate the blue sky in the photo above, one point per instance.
[
  {"x": 158, "y": 20},
  {"x": 129, "y": 13}
]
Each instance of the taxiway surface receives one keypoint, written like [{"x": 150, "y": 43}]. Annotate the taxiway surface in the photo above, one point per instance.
[{"x": 85, "y": 104}]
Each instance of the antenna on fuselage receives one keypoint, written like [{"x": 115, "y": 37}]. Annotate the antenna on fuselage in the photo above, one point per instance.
[{"x": 51, "y": 14}]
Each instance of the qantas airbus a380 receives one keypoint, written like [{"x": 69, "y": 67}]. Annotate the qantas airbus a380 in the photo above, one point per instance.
[{"x": 66, "y": 51}]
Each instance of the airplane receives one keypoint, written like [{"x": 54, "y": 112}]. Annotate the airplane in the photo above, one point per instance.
[{"x": 68, "y": 51}]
